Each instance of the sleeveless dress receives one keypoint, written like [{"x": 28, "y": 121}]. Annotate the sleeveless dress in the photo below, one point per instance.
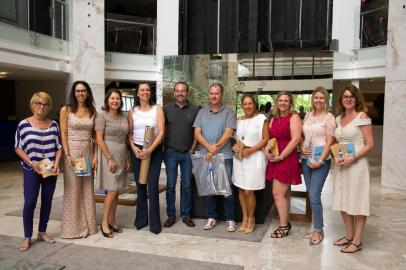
[
  {"x": 249, "y": 173},
  {"x": 115, "y": 137},
  {"x": 79, "y": 212},
  {"x": 286, "y": 171},
  {"x": 351, "y": 187}
]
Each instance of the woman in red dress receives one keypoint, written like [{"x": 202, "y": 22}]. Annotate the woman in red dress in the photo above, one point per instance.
[{"x": 284, "y": 170}]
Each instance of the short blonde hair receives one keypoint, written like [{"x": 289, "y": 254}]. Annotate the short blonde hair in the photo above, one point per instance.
[
  {"x": 324, "y": 91},
  {"x": 40, "y": 95},
  {"x": 275, "y": 110}
]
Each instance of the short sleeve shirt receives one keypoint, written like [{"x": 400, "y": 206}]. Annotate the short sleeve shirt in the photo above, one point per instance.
[{"x": 213, "y": 125}]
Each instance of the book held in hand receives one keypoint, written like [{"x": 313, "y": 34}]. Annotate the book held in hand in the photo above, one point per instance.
[
  {"x": 341, "y": 150},
  {"x": 317, "y": 151},
  {"x": 46, "y": 167},
  {"x": 82, "y": 166},
  {"x": 241, "y": 146}
]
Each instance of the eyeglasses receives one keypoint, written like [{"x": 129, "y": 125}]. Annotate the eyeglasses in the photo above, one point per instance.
[
  {"x": 40, "y": 104},
  {"x": 81, "y": 91},
  {"x": 348, "y": 97}
]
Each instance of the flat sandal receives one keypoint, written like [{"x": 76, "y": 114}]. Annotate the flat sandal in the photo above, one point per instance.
[{"x": 348, "y": 241}]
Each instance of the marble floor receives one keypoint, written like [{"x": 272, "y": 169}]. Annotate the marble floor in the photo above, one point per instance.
[{"x": 384, "y": 241}]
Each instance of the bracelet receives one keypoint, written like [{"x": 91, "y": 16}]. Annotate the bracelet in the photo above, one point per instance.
[
  {"x": 29, "y": 163},
  {"x": 321, "y": 161},
  {"x": 281, "y": 156}
]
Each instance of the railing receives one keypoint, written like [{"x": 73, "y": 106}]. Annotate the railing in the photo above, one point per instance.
[
  {"x": 130, "y": 37},
  {"x": 374, "y": 27},
  {"x": 34, "y": 39},
  {"x": 285, "y": 65}
]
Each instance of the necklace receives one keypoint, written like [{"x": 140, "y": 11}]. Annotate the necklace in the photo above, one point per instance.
[{"x": 243, "y": 127}]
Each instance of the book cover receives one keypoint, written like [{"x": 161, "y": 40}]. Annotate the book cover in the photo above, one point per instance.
[
  {"x": 82, "y": 166},
  {"x": 46, "y": 168},
  {"x": 341, "y": 150},
  {"x": 316, "y": 154},
  {"x": 240, "y": 145}
]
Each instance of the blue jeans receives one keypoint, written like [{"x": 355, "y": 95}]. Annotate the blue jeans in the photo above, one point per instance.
[
  {"x": 173, "y": 158},
  {"x": 315, "y": 179},
  {"x": 210, "y": 202},
  {"x": 33, "y": 182}
]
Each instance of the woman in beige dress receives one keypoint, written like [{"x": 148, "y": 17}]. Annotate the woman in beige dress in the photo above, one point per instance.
[
  {"x": 113, "y": 160},
  {"x": 77, "y": 122},
  {"x": 351, "y": 190}
]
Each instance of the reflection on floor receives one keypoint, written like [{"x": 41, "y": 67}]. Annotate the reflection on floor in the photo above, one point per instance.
[{"x": 384, "y": 241}]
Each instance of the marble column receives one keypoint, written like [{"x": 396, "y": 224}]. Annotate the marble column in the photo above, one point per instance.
[
  {"x": 167, "y": 37},
  {"x": 86, "y": 45},
  {"x": 394, "y": 128}
]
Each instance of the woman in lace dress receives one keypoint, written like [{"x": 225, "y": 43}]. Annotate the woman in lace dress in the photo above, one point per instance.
[{"x": 77, "y": 125}]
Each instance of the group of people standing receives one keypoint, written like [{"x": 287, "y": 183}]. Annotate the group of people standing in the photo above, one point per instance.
[{"x": 187, "y": 128}]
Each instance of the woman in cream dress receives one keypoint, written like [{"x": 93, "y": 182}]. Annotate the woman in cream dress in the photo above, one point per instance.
[{"x": 351, "y": 191}]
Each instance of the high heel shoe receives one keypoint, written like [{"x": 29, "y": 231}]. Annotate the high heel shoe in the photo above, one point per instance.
[
  {"x": 244, "y": 224},
  {"x": 42, "y": 237},
  {"x": 116, "y": 230},
  {"x": 251, "y": 225},
  {"x": 108, "y": 235}
]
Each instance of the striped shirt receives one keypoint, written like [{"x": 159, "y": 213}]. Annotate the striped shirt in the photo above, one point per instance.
[{"x": 38, "y": 143}]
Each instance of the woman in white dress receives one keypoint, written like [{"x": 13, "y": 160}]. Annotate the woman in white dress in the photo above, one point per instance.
[
  {"x": 351, "y": 191},
  {"x": 249, "y": 173}
]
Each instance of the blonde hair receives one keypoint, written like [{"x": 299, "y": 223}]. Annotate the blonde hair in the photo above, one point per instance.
[
  {"x": 40, "y": 95},
  {"x": 359, "y": 99},
  {"x": 324, "y": 91},
  {"x": 275, "y": 110}
]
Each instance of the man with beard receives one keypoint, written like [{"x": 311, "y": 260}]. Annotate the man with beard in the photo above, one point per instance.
[{"x": 179, "y": 145}]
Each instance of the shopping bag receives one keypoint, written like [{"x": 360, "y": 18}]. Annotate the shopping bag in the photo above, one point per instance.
[{"x": 211, "y": 177}]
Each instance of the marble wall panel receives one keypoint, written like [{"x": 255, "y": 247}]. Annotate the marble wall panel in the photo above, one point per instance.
[{"x": 396, "y": 47}]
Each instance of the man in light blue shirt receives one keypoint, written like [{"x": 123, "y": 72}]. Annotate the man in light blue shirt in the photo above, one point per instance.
[{"x": 214, "y": 126}]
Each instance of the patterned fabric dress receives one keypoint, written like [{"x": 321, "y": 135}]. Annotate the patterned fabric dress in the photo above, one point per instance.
[
  {"x": 79, "y": 212},
  {"x": 286, "y": 171}
]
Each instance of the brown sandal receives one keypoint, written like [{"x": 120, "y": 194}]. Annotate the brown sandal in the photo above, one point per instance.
[
  {"x": 339, "y": 242},
  {"x": 357, "y": 248}
]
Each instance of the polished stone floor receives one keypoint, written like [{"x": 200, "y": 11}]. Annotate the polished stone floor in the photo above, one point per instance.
[{"x": 384, "y": 239}]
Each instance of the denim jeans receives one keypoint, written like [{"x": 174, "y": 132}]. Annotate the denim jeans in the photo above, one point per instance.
[
  {"x": 315, "y": 179},
  {"x": 173, "y": 159},
  {"x": 210, "y": 202}
]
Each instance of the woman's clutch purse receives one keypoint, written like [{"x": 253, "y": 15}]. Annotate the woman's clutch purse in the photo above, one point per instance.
[
  {"x": 273, "y": 146},
  {"x": 240, "y": 145}
]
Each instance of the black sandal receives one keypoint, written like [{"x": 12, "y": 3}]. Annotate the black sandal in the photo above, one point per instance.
[
  {"x": 118, "y": 229},
  {"x": 281, "y": 231},
  {"x": 346, "y": 243}
]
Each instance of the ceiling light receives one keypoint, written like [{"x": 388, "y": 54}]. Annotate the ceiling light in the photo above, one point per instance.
[{"x": 3, "y": 75}]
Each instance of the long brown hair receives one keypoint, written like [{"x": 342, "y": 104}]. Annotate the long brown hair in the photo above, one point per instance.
[
  {"x": 359, "y": 99},
  {"x": 137, "y": 99},
  {"x": 89, "y": 102},
  {"x": 275, "y": 110}
]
